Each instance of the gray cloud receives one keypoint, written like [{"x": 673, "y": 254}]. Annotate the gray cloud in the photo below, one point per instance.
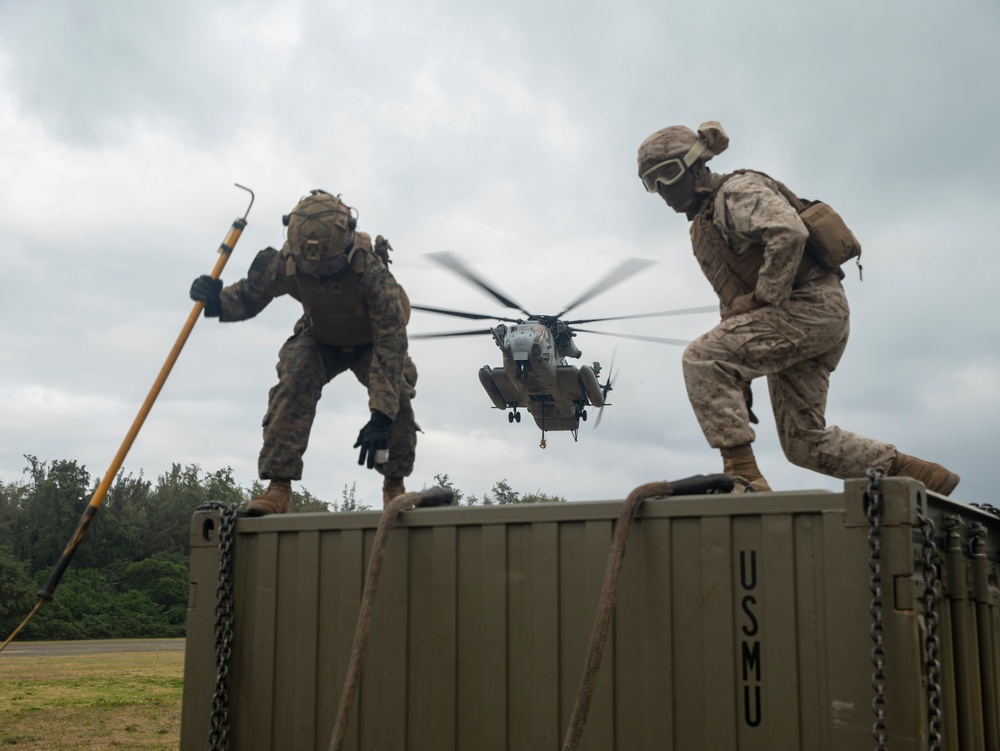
[{"x": 508, "y": 133}]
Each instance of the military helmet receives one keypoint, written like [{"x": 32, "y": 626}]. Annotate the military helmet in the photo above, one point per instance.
[
  {"x": 320, "y": 229},
  {"x": 668, "y": 153}
]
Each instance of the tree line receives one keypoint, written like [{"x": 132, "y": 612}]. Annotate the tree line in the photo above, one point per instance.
[{"x": 129, "y": 576}]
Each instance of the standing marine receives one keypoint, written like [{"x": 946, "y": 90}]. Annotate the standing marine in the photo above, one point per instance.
[
  {"x": 354, "y": 317},
  {"x": 784, "y": 314}
]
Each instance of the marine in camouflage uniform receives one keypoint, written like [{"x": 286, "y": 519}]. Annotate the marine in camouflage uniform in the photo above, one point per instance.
[
  {"x": 355, "y": 316},
  {"x": 784, "y": 316}
]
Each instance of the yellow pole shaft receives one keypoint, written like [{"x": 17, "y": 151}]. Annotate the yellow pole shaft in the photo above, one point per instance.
[
  {"x": 225, "y": 250},
  {"x": 47, "y": 592}
]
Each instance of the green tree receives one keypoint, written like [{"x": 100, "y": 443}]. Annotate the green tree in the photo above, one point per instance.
[
  {"x": 12, "y": 517},
  {"x": 445, "y": 481},
  {"x": 17, "y": 591},
  {"x": 304, "y": 502},
  {"x": 540, "y": 497},
  {"x": 175, "y": 498},
  {"x": 87, "y": 606},
  {"x": 502, "y": 494},
  {"x": 116, "y": 533},
  {"x": 53, "y": 506},
  {"x": 220, "y": 486},
  {"x": 349, "y": 501},
  {"x": 163, "y": 580}
]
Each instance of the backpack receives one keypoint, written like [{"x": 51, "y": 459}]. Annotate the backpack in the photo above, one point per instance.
[{"x": 831, "y": 241}]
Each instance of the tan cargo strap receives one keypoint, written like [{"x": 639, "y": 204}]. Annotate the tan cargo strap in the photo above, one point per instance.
[
  {"x": 696, "y": 485},
  {"x": 430, "y": 497}
]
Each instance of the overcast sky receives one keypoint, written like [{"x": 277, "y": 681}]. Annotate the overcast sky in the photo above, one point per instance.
[{"x": 505, "y": 132}]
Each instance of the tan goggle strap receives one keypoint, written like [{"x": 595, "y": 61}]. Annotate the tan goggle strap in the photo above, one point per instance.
[{"x": 693, "y": 154}]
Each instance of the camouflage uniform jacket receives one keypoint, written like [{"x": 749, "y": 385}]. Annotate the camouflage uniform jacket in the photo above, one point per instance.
[
  {"x": 273, "y": 274},
  {"x": 748, "y": 238}
]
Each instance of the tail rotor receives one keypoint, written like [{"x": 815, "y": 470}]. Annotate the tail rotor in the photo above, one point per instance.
[{"x": 607, "y": 387}]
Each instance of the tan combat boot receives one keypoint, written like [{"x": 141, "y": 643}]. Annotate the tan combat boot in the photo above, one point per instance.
[
  {"x": 739, "y": 461},
  {"x": 391, "y": 487},
  {"x": 274, "y": 500},
  {"x": 934, "y": 477}
]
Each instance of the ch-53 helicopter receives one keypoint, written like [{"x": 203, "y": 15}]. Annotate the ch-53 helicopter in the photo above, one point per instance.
[{"x": 535, "y": 375}]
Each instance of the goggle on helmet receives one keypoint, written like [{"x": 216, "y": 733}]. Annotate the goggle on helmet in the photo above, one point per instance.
[{"x": 671, "y": 170}]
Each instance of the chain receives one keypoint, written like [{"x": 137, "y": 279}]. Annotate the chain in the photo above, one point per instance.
[
  {"x": 873, "y": 510},
  {"x": 932, "y": 641},
  {"x": 987, "y": 507},
  {"x": 219, "y": 737}
]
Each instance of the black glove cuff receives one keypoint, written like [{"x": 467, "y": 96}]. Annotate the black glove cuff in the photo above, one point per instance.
[
  {"x": 213, "y": 308},
  {"x": 208, "y": 290}
]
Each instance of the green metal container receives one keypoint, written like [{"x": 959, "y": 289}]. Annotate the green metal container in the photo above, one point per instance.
[{"x": 743, "y": 622}]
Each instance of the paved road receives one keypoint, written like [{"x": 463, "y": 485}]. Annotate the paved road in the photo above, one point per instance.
[{"x": 44, "y": 648}]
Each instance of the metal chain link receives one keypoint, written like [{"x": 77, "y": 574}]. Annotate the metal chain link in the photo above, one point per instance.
[
  {"x": 987, "y": 507},
  {"x": 873, "y": 511},
  {"x": 932, "y": 642},
  {"x": 219, "y": 737}
]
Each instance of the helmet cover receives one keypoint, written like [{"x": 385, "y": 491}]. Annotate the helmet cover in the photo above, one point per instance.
[
  {"x": 320, "y": 227},
  {"x": 676, "y": 141}
]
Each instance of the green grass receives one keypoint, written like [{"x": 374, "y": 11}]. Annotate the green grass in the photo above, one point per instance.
[{"x": 127, "y": 700}]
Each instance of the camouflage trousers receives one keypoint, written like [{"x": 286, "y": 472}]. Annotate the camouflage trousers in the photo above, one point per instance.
[
  {"x": 304, "y": 367},
  {"x": 796, "y": 346}
]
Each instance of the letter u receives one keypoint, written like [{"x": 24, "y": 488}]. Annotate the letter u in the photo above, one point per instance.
[{"x": 752, "y": 721}]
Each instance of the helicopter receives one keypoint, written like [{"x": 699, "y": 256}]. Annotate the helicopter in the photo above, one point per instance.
[{"x": 535, "y": 374}]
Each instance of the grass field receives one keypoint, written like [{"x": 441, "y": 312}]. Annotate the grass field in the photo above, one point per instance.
[{"x": 126, "y": 700}]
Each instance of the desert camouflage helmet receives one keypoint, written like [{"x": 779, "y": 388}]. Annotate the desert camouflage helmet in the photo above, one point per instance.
[
  {"x": 680, "y": 144},
  {"x": 320, "y": 227}
]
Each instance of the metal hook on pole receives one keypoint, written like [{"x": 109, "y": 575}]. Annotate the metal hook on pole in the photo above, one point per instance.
[
  {"x": 47, "y": 592},
  {"x": 243, "y": 187}
]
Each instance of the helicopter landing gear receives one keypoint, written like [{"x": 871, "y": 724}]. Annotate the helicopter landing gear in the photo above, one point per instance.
[
  {"x": 575, "y": 433},
  {"x": 513, "y": 416},
  {"x": 581, "y": 414}
]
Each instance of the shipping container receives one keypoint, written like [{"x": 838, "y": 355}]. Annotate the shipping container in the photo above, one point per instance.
[{"x": 812, "y": 620}]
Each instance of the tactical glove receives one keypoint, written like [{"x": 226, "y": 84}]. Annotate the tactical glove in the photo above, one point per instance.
[
  {"x": 374, "y": 440},
  {"x": 207, "y": 290}
]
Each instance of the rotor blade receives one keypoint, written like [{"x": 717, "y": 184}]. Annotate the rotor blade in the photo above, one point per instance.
[
  {"x": 607, "y": 387},
  {"x": 611, "y": 369},
  {"x": 658, "y": 339},
  {"x": 600, "y": 416},
  {"x": 620, "y": 273},
  {"x": 461, "y": 314},
  {"x": 450, "y": 261},
  {"x": 679, "y": 312},
  {"x": 474, "y": 332}
]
